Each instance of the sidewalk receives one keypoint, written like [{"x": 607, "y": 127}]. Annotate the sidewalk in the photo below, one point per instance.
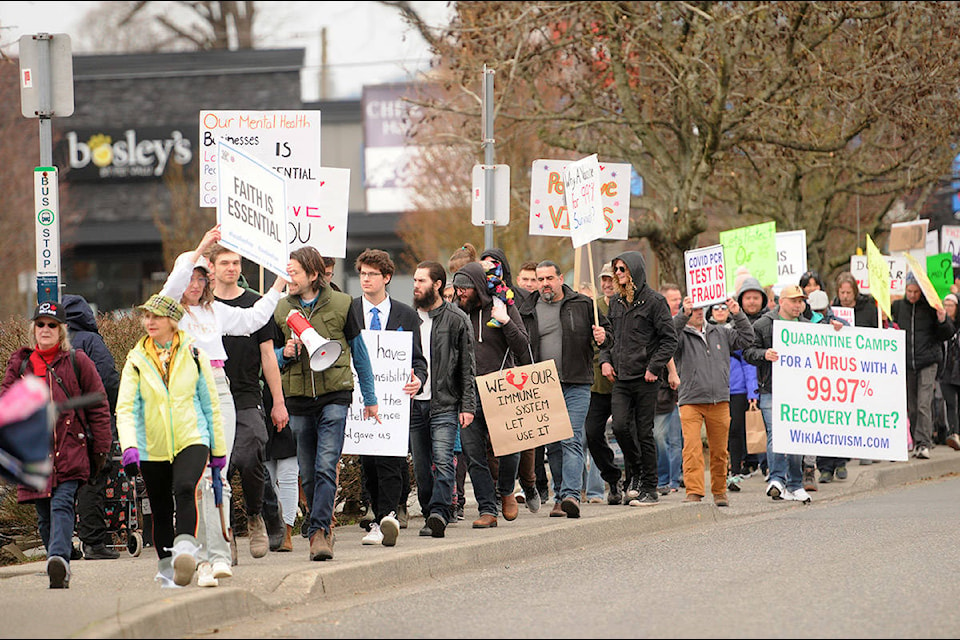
[{"x": 118, "y": 598}]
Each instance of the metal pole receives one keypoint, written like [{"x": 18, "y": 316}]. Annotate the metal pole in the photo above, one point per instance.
[
  {"x": 488, "y": 158},
  {"x": 45, "y": 99}
]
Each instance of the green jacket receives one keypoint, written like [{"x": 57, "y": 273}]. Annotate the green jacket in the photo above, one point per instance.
[{"x": 329, "y": 317}]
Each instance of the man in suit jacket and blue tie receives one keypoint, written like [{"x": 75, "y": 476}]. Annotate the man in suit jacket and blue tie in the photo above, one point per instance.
[{"x": 384, "y": 474}]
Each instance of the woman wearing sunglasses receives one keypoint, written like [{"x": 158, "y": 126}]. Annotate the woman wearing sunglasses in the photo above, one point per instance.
[{"x": 48, "y": 357}]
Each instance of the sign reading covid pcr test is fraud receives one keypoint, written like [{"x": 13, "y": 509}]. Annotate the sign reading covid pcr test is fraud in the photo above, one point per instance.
[{"x": 839, "y": 393}]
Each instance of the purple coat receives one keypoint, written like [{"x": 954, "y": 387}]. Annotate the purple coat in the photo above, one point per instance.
[{"x": 70, "y": 458}]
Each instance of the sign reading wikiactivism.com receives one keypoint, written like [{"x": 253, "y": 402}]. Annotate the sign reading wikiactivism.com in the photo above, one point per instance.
[{"x": 839, "y": 393}]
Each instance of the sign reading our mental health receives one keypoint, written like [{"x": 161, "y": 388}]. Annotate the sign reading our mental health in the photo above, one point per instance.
[
  {"x": 581, "y": 186},
  {"x": 753, "y": 247},
  {"x": 524, "y": 407},
  {"x": 706, "y": 280},
  {"x": 391, "y": 356},
  {"x": 548, "y": 205},
  {"x": 839, "y": 393},
  {"x": 251, "y": 208}
]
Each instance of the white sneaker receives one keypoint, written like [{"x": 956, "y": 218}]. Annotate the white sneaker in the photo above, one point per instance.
[
  {"x": 222, "y": 570},
  {"x": 775, "y": 490},
  {"x": 205, "y": 576},
  {"x": 923, "y": 453},
  {"x": 799, "y": 495},
  {"x": 374, "y": 536},
  {"x": 184, "y": 561},
  {"x": 166, "y": 581},
  {"x": 390, "y": 529}
]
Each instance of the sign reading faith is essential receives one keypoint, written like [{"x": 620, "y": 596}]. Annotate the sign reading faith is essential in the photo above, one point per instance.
[
  {"x": 706, "y": 281},
  {"x": 581, "y": 186},
  {"x": 324, "y": 225},
  {"x": 753, "y": 247},
  {"x": 548, "y": 206},
  {"x": 524, "y": 407},
  {"x": 791, "y": 257},
  {"x": 251, "y": 208},
  {"x": 391, "y": 356},
  {"x": 839, "y": 393}
]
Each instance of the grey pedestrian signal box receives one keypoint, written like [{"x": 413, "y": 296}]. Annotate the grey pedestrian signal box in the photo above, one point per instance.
[{"x": 46, "y": 75}]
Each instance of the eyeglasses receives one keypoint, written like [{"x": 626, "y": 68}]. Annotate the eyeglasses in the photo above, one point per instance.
[
  {"x": 719, "y": 307},
  {"x": 620, "y": 269},
  {"x": 370, "y": 274},
  {"x": 50, "y": 325}
]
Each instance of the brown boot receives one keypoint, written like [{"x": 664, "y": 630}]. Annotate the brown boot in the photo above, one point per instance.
[
  {"x": 287, "y": 544},
  {"x": 557, "y": 511},
  {"x": 508, "y": 504},
  {"x": 321, "y": 545},
  {"x": 486, "y": 521}
]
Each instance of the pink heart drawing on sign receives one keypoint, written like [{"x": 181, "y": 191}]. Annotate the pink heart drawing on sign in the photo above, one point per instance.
[
  {"x": 618, "y": 220},
  {"x": 537, "y": 215},
  {"x": 537, "y": 201},
  {"x": 323, "y": 182},
  {"x": 541, "y": 226},
  {"x": 602, "y": 167},
  {"x": 330, "y": 226}
]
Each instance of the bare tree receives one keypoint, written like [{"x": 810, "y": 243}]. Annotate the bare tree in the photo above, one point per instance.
[{"x": 757, "y": 110}]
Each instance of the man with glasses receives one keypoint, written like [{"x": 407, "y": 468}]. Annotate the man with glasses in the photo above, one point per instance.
[
  {"x": 643, "y": 342},
  {"x": 384, "y": 475}
]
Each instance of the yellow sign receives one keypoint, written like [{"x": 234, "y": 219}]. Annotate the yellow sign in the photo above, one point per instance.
[
  {"x": 879, "y": 272},
  {"x": 929, "y": 291}
]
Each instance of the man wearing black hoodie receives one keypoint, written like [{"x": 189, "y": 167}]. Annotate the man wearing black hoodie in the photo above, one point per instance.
[
  {"x": 644, "y": 340},
  {"x": 91, "y": 498},
  {"x": 495, "y": 348}
]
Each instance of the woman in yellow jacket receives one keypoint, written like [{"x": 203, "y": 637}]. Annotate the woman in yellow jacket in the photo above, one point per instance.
[{"x": 169, "y": 424}]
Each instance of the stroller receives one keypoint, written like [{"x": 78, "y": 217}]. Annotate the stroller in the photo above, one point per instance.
[{"x": 121, "y": 508}]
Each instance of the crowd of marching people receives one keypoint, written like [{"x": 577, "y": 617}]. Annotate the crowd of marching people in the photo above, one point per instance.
[{"x": 223, "y": 382}]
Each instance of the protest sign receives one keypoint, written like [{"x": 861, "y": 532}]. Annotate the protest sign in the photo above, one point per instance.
[
  {"x": 548, "y": 205},
  {"x": 251, "y": 209},
  {"x": 950, "y": 242},
  {"x": 940, "y": 272},
  {"x": 879, "y": 274},
  {"x": 791, "y": 257},
  {"x": 323, "y": 225},
  {"x": 858, "y": 269},
  {"x": 845, "y": 313},
  {"x": 753, "y": 247},
  {"x": 706, "y": 281},
  {"x": 929, "y": 291},
  {"x": 391, "y": 356},
  {"x": 581, "y": 187},
  {"x": 839, "y": 393},
  {"x": 524, "y": 407}
]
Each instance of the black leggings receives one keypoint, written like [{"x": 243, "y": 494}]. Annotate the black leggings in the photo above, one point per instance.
[{"x": 174, "y": 482}]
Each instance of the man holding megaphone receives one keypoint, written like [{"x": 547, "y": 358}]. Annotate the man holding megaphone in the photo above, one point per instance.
[{"x": 318, "y": 387}]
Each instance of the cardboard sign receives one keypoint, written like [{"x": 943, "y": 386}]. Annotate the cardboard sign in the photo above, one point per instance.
[
  {"x": 906, "y": 236},
  {"x": 706, "y": 281},
  {"x": 581, "y": 186},
  {"x": 753, "y": 247},
  {"x": 251, "y": 210},
  {"x": 548, "y": 205},
  {"x": 839, "y": 393},
  {"x": 524, "y": 407},
  {"x": 391, "y": 356}
]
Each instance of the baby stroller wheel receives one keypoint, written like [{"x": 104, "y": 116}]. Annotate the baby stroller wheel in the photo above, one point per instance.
[{"x": 135, "y": 543}]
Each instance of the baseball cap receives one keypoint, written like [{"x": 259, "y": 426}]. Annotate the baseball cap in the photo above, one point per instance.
[
  {"x": 818, "y": 300},
  {"x": 160, "y": 305},
  {"x": 607, "y": 270},
  {"x": 50, "y": 310},
  {"x": 792, "y": 291},
  {"x": 200, "y": 263}
]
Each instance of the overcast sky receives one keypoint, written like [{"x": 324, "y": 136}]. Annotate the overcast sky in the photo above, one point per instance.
[{"x": 367, "y": 43}]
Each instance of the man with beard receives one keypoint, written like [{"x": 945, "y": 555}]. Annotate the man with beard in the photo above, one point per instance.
[
  {"x": 559, "y": 322},
  {"x": 495, "y": 348},
  {"x": 446, "y": 403},
  {"x": 643, "y": 342}
]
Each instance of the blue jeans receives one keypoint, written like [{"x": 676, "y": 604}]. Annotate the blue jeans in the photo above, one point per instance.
[
  {"x": 475, "y": 440},
  {"x": 56, "y": 518},
  {"x": 669, "y": 436},
  {"x": 319, "y": 445},
  {"x": 431, "y": 442},
  {"x": 785, "y": 468},
  {"x": 566, "y": 457}
]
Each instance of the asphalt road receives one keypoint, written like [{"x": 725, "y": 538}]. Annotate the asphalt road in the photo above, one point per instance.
[{"x": 879, "y": 564}]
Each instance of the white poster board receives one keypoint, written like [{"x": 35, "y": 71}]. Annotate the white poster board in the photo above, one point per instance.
[
  {"x": 323, "y": 225},
  {"x": 705, "y": 276},
  {"x": 839, "y": 393},
  {"x": 846, "y": 314},
  {"x": 391, "y": 356},
  {"x": 581, "y": 186},
  {"x": 898, "y": 273},
  {"x": 548, "y": 205},
  {"x": 950, "y": 242},
  {"x": 791, "y": 258},
  {"x": 250, "y": 210}
]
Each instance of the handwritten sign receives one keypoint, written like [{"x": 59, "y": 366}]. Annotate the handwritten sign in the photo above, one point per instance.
[
  {"x": 706, "y": 280},
  {"x": 251, "y": 209},
  {"x": 846, "y": 314},
  {"x": 391, "y": 356},
  {"x": 839, "y": 393},
  {"x": 940, "y": 272},
  {"x": 524, "y": 407},
  {"x": 753, "y": 247},
  {"x": 323, "y": 224},
  {"x": 791, "y": 257},
  {"x": 548, "y": 205},
  {"x": 929, "y": 291},
  {"x": 879, "y": 274},
  {"x": 581, "y": 186},
  {"x": 950, "y": 242}
]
